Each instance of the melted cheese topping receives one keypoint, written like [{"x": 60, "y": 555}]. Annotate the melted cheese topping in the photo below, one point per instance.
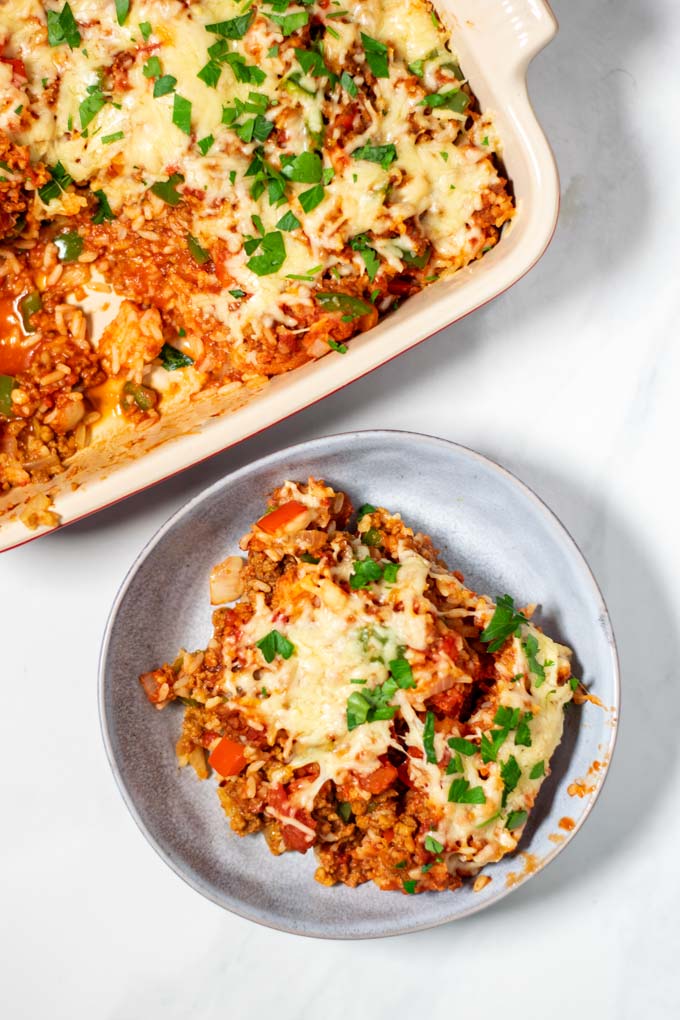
[{"x": 438, "y": 179}]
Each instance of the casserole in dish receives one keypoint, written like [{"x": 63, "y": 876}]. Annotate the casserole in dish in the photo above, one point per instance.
[{"x": 82, "y": 487}]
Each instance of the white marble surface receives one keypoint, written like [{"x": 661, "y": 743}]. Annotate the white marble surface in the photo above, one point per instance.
[{"x": 571, "y": 380}]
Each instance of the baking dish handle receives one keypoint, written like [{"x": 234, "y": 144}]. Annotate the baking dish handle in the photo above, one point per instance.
[{"x": 516, "y": 30}]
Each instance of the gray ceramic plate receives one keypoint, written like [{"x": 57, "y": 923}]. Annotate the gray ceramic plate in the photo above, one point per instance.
[{"x": 487, "y": 524}]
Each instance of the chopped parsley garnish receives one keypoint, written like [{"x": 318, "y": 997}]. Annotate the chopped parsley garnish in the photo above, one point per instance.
[
  {"x": 537, "y": 770},
  {"x": 419, "y": 261},
  {"x": 462, "y": 745},
  {"x": 289, "y": 23},
  {"x": 364, "y": 573},
  {"x": 272, "y": 254},
  {"x": 62, "y": 27},
  {"x": 410, "y": 886},
  {"x": 433, "y": 845},
  {"x": 235, "y": 28},
  {"x": 60, "y": 182},
  {"x": 104, "y": 211},
  {"x": 145, "y": 29},
  {"x": 205, "y": 144},
  {"x": 454, "y": 99},
  {"x": 312, "y": 63},
  {"x": 181, "y": 113},
  {"x": 383, "y": 154},
  {"x": 369, "y": 255},
  {"x": 122, "y": 11},
  {"x": 172, "y": 358},
  {"x": 237, "y": 293},
  {"x": 90, "y": 106},
  {"x": 510, "y": 774},
  {"x": 491, "y": 743},
  {"x": 115, "y": 137},
  {"x": 535, "y": 668},
  {"x": 515, "y": 819},
  {"x": 210, "y": 74},
  {"x": 417, "y": 67},
  {"x": 305, "y": 168},
  {"x": 455, "y": 765},
  {"x": 345, "y": 810},
  {"x": 505, "y": 622},
  {"x": 152, "y": 68},
  {"x": 310, "y": 199},
  {"x": 163, "y": 86},
  {"x": 348, "y": 83},
  {"x": 334, "y": 301},
  {"x": 460, "y": 792},
  {"x": 376, "y": 56},
  {"x": 198, "y": 253},
  {"x": 243, "y": 72},
  {"x": 506, "y": 717},
  {"x": 401, "y": 864},
  {"x": 288, "y": 221},
  {"x": 356, "y": 679},
  {"x": 273, "y": 51},
  {"x": 401, "y": 671},
  {"x": 274, "y": 643},
  {"x": 306, "y": 557},
  {"x": 167, "y": 190},
  {"x": 523, "y": 734},
  {"x": 335, "y": 346},
  {"x": 306, "y": 277},
  {"x": 428, "y": 734},
  {"x": 69, "y": 246},
  {"x": 573, "y": 683},
  {"x": 390, "y": 572},
  {"x": 364, "y": 509},
  {"x": 371, "y": 705}
]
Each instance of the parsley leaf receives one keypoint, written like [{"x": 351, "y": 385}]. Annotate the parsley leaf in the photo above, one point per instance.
[
  {"x": 334, "y": 301},
  {"x": 510, "y": 774},
  {"x": 310, "y": 199},
  {"x": 210, "y": 74},
  {"x": 274, "y": 643},
  {"x": 69, "y": 246},
  {"x": 272, "y": 255},
  {"x": 288, "y": 221},
  {"x": 335, "y": 346},
  {"x": 504, "y": 622},
  {"x": 364, "y": 572},
  {"x": 383, "y": 154},
  {"x": 506, "y": 717},
  {"x": 235, "y": 28},
  {"x": 371, "y": 705},
  {"x": 573, "y": 683},
  {"x": 535, "y": 667},
  {"x": 172, "y": 358},
  {"x": 345, "y": 810},
  {"x": 410, "y": 886},
  {"x": 454, "y": 99},
  {"x": 167, "y": 190},
  {"x": 91, "y": 105},
  {"x": 122, "y": 11},
  {"x": 523, "y": 734},
  {"x": 152, "y": 68},
  {"x": 205, "y": 144},
  {"x": 401, "y": 671},
  {"x": 462, "y": 745},
  {"x": 305, "y": 168},
  {"x": 368, "y": 254},
  {"x": 428, "y": 735},
  {"x": 104, "y": 211},
  {"x": 376, "y": 56},
  {"x": 364, "y": 509},
  {"x": 537, "y": 770},
  {"x": 515, "y": 819},
  {"x": 433, "y": 845},
  {"x": 289, "y": 23},
  {"x": 162, "y": 86},
  {"x": 390, "y": 572},
  {"x": 181, "y": 113},
  {"x": 348, "y": 83},
  {"x": 115, "y": 137},
  {"x": 460, "y": 792},
  {"x": 199, "y": 254},
  {"x": 60, "y": 182},
  {"x": 62, "y": 27},
  {"x": 491, "y": 744},
  {"x": 145, "y": 29}
]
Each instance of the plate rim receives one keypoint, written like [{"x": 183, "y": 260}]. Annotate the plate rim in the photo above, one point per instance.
[{"x": 229, "y": 479}]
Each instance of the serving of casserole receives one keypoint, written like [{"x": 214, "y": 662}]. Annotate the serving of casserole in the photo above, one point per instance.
[{"x": 216, "y": 213}]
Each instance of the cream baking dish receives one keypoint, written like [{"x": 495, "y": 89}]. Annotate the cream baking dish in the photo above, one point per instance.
[{"x": 496, "y": 40}]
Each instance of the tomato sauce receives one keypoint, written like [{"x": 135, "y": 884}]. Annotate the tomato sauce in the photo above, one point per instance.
[{"x": 14, "y": 356}]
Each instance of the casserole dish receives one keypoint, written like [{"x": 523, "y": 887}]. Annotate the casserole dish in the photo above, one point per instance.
[{"x": 501, "y": 36}]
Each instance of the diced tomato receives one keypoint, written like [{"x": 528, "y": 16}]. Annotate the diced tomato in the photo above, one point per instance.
[
  {"x": 293, "y": 837},
  {"x": 228, "y": 758},
  {"x": 380, "y": 780},
  {"x": 18, "y": 69},
  {"x": 282, "y": 516}
]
